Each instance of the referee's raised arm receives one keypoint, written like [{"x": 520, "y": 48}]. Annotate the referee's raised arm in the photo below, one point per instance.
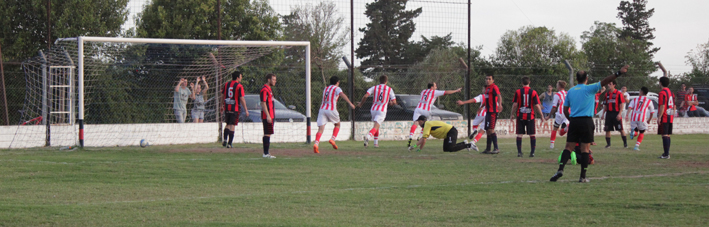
[{"x": 610, "y": 78}]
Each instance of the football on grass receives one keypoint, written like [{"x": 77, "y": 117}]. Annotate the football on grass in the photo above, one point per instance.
[{"x": 144, "y": 143}]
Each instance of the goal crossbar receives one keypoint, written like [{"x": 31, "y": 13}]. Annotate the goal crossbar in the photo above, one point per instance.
[{"x": 81, "y": 39}]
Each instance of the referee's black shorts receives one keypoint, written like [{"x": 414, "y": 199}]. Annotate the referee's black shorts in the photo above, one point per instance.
[{"x": 581, "y": 130}]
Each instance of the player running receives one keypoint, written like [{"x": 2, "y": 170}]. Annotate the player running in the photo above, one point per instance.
[
  {"x": 380, "y": 101},
  {"x": 639, "y": 112},
  {"x": 613, "y": 106},
  {"x": 560, "y": 121},
  {"x": 525, "y": 101},
  {"x": 232, "y": 93},
  {"x": 665, "y": 116},
  {"x": 478, "y": 122},
  {"x": 428, "y": 98},
  {"x": 441, "y": 130},
  {"x": 328, "y": 111}
]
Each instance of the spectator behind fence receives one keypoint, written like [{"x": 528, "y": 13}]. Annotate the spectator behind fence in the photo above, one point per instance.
[
  {"x": 199, "y": 100},
  {"x": 681, "y": 94},
  {"x": 180, "y": 96},
  {"x": 690, "y": 100},
  {"x": 547, "y": 99}
]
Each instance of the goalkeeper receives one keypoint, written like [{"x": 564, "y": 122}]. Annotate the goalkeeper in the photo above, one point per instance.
[{"x": 441, "y": 130}]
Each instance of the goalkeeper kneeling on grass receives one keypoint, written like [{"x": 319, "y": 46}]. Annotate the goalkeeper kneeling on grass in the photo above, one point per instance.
[{"x": 441, "y": 130}]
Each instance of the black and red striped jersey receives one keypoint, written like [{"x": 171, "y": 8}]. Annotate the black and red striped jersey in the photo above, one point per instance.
[
  {"x": 232, "y": 93},
  {"x": 266, "y": 95},
  {"x": 613, "y": 100},
  {"x": 526, "y": 98},
  {"x": 492, "y": 98},
  {"x": 666, "y": 99}
]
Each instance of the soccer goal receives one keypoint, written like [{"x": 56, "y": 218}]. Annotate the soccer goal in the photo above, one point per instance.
[{"x": 101, "y": 91}]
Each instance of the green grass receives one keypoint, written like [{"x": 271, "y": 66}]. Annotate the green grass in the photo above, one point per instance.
[{"x": 388, "y": 186}]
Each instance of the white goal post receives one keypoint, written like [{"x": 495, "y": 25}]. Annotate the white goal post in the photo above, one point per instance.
[{"x": 80, "y": 65}]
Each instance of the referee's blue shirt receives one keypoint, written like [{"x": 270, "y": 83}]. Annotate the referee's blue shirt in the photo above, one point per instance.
[{"x": 581, "y": 99}]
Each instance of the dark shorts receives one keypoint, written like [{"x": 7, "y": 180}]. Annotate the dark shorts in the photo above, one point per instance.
[
  {"x": 450, "y": 140},
  {"x": 692, "y": 113},
  {"x": 664, "y": 129},
  {"x": 490, "y": 120},
  {"x": 231, "y": 118},
  {"x": 580, "y": 130},
  {"x": 267, "y": 127},
  {"x": 525, "y": 127},
  {"x": 613, "y": 124}
]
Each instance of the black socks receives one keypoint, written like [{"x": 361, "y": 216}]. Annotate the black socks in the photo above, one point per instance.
[
  {"x": 608, "y": 141},
  {"x": 533, "y": 141},
  {"x": 231, "y": 137},
  {"x": 625, "y": 141},
  {"x": 584, "y": 160},
  {"x": 266, "y": 144},
  {"x": 226, "y": 135},
  {"x": 489, "y": 142},
  {"x": 565, "y": 156},
  {"x": 494, "y": 140},
  {"x": 666, "y": 146},
  {"x": 519, "y": 145}
]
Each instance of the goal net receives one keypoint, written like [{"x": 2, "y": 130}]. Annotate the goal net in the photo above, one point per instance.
[{"x": 96, "y": 91}]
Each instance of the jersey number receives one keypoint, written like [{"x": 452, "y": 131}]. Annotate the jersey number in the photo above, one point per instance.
[
  {"x": 381, "y": 97},
  {"x": 526, "y": 97},
  {"x": 230, "y": 92},
  {"x": 326, "y": 96},
  {"x": 425, "y": 97}
]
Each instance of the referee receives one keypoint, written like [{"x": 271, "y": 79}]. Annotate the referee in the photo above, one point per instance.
[{"x": 580, "y": 99}]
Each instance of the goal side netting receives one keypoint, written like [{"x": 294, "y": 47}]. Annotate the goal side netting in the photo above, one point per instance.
[{"x": 96, "y": 91}]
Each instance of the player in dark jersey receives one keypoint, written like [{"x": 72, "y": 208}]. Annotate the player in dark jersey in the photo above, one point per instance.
[
  {"x": 493, "y": 105},
  {"x": 613, "y": 106},
  {"x": 232, "y": 94},
  {"x": 524, "y": 103},
  {"x": 267, "y": 113},
  {"x": 665, "y": 115}
]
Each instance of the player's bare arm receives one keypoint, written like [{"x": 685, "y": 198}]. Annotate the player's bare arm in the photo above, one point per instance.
[
  {"x": 421, "y": 143},
  {"x": 344, "y": 97},
  {"x": 538, "y": 107},
  {"x": 243, "y": 104},
  {"x": 393, "y": 102},
  {"x": 448, "y": 92},
  {"x": 460, "y": 103},
  {"x": 566, "y": 112},
  {"x": 206, "y": 87},
  {"x": 610, "y": 78},
  {"x": 265, "y": 110},
  {"x": 660, "y": 113},
  {"x": 512, "y": 112},
  {"x": 664, "y": 71},
  {"x": 620, "y": 112},
  {"x": 364, "y": 98}
]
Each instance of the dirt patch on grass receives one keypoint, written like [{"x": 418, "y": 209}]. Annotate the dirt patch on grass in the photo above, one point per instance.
[
  {"x": 694, "y": 164},
  {"x": 534, "y": 160},
  {"x": 275, "y": 152}
]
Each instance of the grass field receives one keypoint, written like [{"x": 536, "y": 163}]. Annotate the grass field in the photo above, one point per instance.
[{"x": 209, "y": 185}]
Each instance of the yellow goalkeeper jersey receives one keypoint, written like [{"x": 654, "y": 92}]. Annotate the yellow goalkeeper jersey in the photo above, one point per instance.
[{"x": 437, "y": 129}]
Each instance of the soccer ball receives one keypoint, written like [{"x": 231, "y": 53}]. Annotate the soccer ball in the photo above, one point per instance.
[{"x": 144, "y": 143}]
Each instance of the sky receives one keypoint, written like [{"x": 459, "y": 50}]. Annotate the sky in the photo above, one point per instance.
[{"x": 680, "y": 27}]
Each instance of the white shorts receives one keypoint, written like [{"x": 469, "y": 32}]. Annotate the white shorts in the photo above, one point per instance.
[
  {"x": 479, "y": 121},
  {"x": 559, "y": 120},
  {"x": 325, "y": 116},
  {"x": 418, "y": 112},
  {"x": 378, "y": 116},
  {"x": 640, "y": 125}
]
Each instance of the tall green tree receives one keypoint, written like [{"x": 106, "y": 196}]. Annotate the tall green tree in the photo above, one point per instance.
[
  {"x": 416, "y": 51},
  {"x": 635, "y": 17},
  {"x": 387, "y": 35},
  {"x": 323, "y": 27},
  {"x": 535, "y": 50},
  {"x": 699, "y": 60}
]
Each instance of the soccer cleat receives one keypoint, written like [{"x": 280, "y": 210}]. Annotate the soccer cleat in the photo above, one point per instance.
[
  {"x": 224, "y": 144},
  {"x": 473, "y": 146},
  {"x": 636, "y": 148},
  {"x": 316, "y": 149},
  {"x": 584, "y": 180},
  {"x": 631, "y": 134},
  {"x": 409, "y": 144},
  {"x": 551, "y": 146},
  {"x": 268, "y": 156},
  {"x": 519, "y": 154},
  {"x": 556, "y": 176},
  {"x": 531, "y": 155},
  {"x": 366, "y": 141},
  {"x": 608, "y": 146},
  {"x": 472, "y": 135},
  {"x": 496, "y": 151},
  {"x": 332, "y": 142},
  {"x": 485, "y": 152},
  {"x": 228, "y": 146},
  {"x": 412, "y": 148},
  {"x": 664, "y": 157},
  {"x": 573, "y": 158},
  {"x": 593, "y": 143},
  {"x": 376, "y": 145}
]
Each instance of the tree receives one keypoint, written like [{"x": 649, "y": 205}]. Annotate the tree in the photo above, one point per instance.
[
  {"x": 635, "y": 16},
  {"x": 189, "y": 19},
  {"x": 386, "y": 35},
  {"x": 699, "y": 60},
  {"x": 417, "y": 51},
  {"x": 606, "y": 50},
  {"x": 24, "y": 29},
  {"x": 535, "y": 50},
  {"x": 323, "y": 27}
]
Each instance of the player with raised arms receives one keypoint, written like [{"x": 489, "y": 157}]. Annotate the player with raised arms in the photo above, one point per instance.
[
  {"x": 578, "y": 108},
  {"x": 525, "y": 101},
  {"x": 382, "y": 94},
  {"x": 639, "y": 108},
  {"x": 428, "y": 98},
  {"x": 479, "y": 121},
  {"x": 560, "y": 121},
  {"x": 233, "y": 93},
  {"x": 328, "y": 111}
]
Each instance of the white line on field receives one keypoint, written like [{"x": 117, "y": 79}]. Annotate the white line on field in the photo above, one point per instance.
[{"x": 379, "y": 188}]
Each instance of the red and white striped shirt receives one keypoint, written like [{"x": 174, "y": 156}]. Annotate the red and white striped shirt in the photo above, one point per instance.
[
  {"x": 481, "y": 100},
  {"x": 640, "y": 107},
  {"x": 558, "y": 102},
  {"x": 381, "y": 96},
  {"x": 428, "y": 98},
  {"x": 329, "y": 97}
]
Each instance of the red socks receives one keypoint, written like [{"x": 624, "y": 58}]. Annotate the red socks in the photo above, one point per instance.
[
  {"x": 553, "y": 135},
  {"x": 317, "y": 138},
  {"x": 335, "y": 132}
]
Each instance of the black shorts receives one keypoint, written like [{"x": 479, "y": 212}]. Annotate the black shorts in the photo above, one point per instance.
[
  {"x": 664, "y": 129},
  {"x": 231, "y": 118},
  {"x": 267, "y": 127},
  {"x": 490, "y": 120},
  {"x": 612, "y": 123},
  {"x": 525, "y": 127},
  {"x": 580, "y": 130}
]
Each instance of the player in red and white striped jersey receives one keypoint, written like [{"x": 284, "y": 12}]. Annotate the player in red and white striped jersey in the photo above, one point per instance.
[
  {"x": 328, "y": 111},
  {"x": 479, "y": 121},
  {"x": 428, "y": 98},
  {"x": 560, "y": 120},
  {"x": 641, "y": 109},
  {"x": 381, "y": 95}
]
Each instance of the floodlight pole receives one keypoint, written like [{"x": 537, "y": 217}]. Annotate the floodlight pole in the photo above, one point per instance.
[{"x": 571, "y": 73}]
